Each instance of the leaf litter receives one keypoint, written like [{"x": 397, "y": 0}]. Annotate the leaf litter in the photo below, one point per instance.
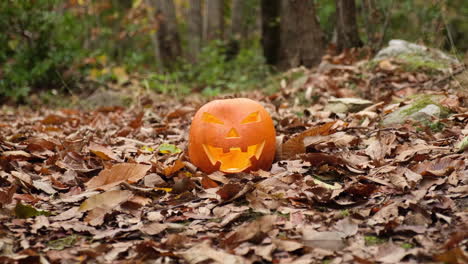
[{"x": 115, "y": 184}]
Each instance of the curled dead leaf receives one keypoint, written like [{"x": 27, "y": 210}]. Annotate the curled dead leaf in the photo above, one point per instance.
[
  {"x": 295, "y": 145},
  {"x": 109, "y": 178}
]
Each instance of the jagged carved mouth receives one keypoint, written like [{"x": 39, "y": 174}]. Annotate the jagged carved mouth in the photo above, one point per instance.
[{"x": 233, "y": 160}]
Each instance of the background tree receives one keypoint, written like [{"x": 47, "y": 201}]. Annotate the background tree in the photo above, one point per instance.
[
  {"x": 238, "y": 20},
  {"x": 168, "y": 35},
  {"x": 270, "y": 12},
  {"x": 346, "y": 25},
  {"x": 213, "y": 24},
  {"x": 302, "y": 39},
  {"x": 195, "y": 28}
]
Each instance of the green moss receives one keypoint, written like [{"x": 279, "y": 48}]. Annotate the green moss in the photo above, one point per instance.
[
  {"x": 407, "y": 245},
  {"x": 423, "y": 101},
  {"x": 374, "y": 240},
  {"x": 345, "y": 213},
  {"x": 420, "y": 62}
]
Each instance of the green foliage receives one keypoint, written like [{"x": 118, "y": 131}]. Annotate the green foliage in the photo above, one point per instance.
[
  {"x": 374, "y": 240},
  {"x": 62, "y": 243},
  {"x": 27, "y": 211},
  {"x": 215, "y": 70},
  {"x": 433, "y": 126},
  {"x": 407, "y": 245},
  {"x": 38, "y": 46},
  {"x": 214, "y": 73},
  {"x": 169, "y": 149}
]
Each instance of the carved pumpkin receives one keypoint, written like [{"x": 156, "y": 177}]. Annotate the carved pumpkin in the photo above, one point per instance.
[{"x": 232, "y": 135}]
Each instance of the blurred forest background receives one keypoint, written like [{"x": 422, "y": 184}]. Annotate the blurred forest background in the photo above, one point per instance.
[{"x": 177, "y": 47}]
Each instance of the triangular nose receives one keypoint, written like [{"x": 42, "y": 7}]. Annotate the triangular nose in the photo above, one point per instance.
[{"x": 232, "y": 133}]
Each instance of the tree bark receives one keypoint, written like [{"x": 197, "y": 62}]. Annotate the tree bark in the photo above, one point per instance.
[
  {"x": 346, "y": 25},
  {"x": 270, "y": 12},
  {"x": 238, "y": 22},
  {"x": 168, "y": 35},
  {"x": 154, "y": 38},
  {"x": 302, "y": 39},
  {"x": 194, "y": 30},
  {"x": 213, "y": 27}
]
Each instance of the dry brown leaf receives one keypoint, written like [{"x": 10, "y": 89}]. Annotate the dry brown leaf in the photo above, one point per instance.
[
  {"x": 229, "y": 190},
  {"x": 329, "y": 240},
  {"x": 346, "y": 226},
  {"x": 390, "y": 253},
  {"x": 154, "y": 228},
  {"x": 106, "y": 200},
  {"x": 246, "y": 232},
  {"x": 453, "y": 256},
  {"x": 6, "y": 195},
  {"x": 295, "y": 145},
  {"x": 203, "y": 252},
  {"x": 102, "y": 152},
  {"x": 180, "y": 112},
  {"x": 171, "y": 169},
  {"x": 380, "y": 146},
  {"x": 109, "y": 178},
  {"x": 439, "y": 167},
  {"x": 208, "y": 183}
]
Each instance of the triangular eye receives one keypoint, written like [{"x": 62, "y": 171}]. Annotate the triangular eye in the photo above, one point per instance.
[
  {"x": 209, "y": 118},
  {"x": 253, "y": 117}
]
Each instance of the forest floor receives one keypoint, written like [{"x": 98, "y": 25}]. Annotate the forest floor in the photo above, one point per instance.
[{"x": 348, "y": 185}]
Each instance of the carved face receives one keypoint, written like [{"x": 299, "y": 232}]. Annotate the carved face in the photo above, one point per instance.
[{"x": 232, "y": 135}]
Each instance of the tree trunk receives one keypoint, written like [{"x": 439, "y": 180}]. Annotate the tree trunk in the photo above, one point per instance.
[
  {"x": 154, "y": 38},
  {"x": 346, "y": 26},
  {"x": 373, "y": 20},
  {"x": 238, "y": 22},
  {"x": 302, "y": 39},
  {"x": 213, "y": 27},
  {"x": 194, "y": 30},
  {"x": 168, "y": 36},
  {"x": 270, "y": 12}
]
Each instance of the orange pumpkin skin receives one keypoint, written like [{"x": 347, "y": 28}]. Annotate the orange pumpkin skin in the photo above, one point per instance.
[{"x": 232, "y": 135}]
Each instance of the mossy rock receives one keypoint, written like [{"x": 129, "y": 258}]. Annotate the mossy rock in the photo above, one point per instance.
[
  {"x": 414, "y": 57},
  {"x": 423, "y": 109}
]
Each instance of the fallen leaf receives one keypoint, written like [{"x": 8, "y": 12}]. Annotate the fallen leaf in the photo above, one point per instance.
[
  {"x": 439, "y": 167},
  {"x": 346, "y": 226},
  {"x": 287, "y": 245},
  {"x": 40, "y": 222},
  {"x": 6, "y": 195},
  {"x": 204, "y": 252},
  {"x": 27, "y": 211},
  {"x": 106, "y": 200},
  {"x": 102, "y": 152},
  {"x": 171, "y": 169},
  {"x": 249, "y": 231},
  {"x": 229, "y": 190},
  {"x": 169, "y": 149},
  {"x": 208, "y": 183},
  {"x": 44, "y": 186},
  {"x": 154, "y": 228},
  {"x": 295, "y": 145},
  {"x": 330, "y": 240},
  {"x": 109, "y": 178},
  {"x": 62, "y": 243},
  {"x": 390, "y": 253}
]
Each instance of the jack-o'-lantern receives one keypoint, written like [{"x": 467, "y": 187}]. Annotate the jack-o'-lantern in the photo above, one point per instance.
[{"x": 232, "y": 135}]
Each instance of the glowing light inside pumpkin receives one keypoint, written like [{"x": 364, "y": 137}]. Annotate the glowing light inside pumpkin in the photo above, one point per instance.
[
  {"x": 235, "y": 160},
  {"x": 252, "y": 118},
  {"x": 232, "y": 133},
  {"x": 209, "y": 118}
]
